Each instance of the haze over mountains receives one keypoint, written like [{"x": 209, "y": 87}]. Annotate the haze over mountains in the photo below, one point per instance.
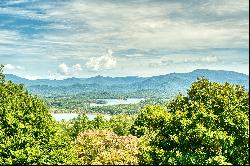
[{"x": 170, "y": 83}]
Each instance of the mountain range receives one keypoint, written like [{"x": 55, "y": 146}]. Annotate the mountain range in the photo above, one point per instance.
[{"x": 171, "y": 83}]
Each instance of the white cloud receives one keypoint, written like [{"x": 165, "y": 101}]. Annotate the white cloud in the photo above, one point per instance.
[
  {"x": 104, "y": 62},
  {"x": 66, "y": 70},
  {"x": 13, "y": 67},
  {"x": 9, "y": 67},
  {"x": 76, "y": 69},
  {"x": 63, "y": 69}
]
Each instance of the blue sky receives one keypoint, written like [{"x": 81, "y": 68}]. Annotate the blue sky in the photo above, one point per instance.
[{"x": 64, "y": 38}]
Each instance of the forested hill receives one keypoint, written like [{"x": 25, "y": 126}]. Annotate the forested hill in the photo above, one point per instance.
[{"x": 171, "y": 83}]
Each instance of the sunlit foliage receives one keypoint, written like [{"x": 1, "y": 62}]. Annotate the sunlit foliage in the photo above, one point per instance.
[
  {"x": 121, "y": 124},
  {"x": 105, "y": 147}
]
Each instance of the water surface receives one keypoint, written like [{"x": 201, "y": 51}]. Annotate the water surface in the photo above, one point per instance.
[
  {"x": 117, "y": 101},
  {"x": 69, "y": 116}
]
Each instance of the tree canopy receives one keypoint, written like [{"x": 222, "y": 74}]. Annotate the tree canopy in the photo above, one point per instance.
[
  {"x": 208, "y": 126},
  {"x": 103, "y": 147},
  {"x": 28, "y": 134}
]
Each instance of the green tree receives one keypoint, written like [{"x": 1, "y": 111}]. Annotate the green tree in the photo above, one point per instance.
[
  {"x": 150, "y": 118},
  {"x": 99, "y": 122},
  {"x": 208, "y": 126},
  {"x": 102, "y": 147},
  {"x": 28, "y": 134},
  {"x": 80, "y": 124},
  {"x": 121, "y": 124}
]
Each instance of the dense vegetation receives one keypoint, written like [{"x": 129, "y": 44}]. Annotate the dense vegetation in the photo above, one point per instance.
[{"x": 208, "y": 125}]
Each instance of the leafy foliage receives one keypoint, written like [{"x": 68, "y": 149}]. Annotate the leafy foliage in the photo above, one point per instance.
[
  {"x": 208, "y": 126},
  {"x": 150, "y": 118},
  {"x": 28, "y": 134},
  {"x": 99, "y": 122},
  {"x": 121, "y": 124},
  {"x": 104, "y": 147},
  {"x": 80, "y": 124}
]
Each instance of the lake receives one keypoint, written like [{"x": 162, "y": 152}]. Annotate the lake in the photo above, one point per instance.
[
  {"x": 117, "y": 101},
  {"x": 69, "y": 116}
]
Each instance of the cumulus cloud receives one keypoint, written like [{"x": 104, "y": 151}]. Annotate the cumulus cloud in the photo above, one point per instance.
[
  {"x": 76, "y": 68},
  {"x": 63, "y": 69},
  {"x": 9, "y": 67},
  {"x": 103, "y": 62},
  {"x": 67, "y": 70},
  {"x": 13, "y": 67}
]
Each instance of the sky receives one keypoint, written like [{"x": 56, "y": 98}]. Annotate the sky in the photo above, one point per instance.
[{"x": 56, "y": 39}]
